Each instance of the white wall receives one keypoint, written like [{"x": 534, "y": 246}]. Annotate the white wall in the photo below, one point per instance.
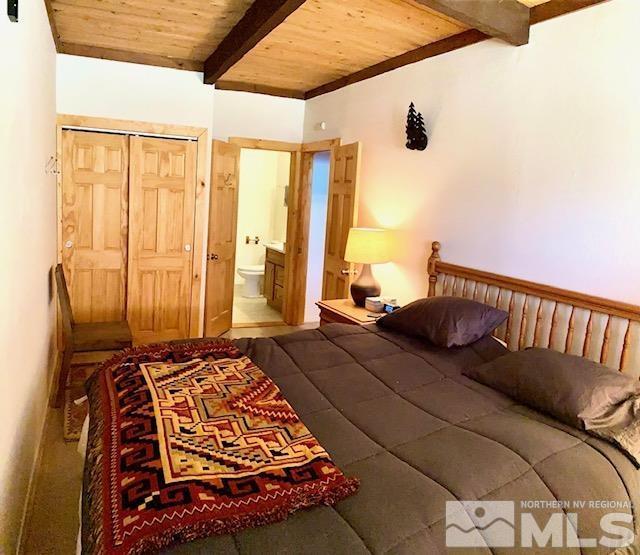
[
  {"x": 533, "y": 165},
  {"x": 317, "y": 231},
  {"x": 261, "y": 209},
  {"x": 119, "y": 90},
  {"x": 280, "y": 212},
  {"x": 240, "y": 114},
  {"x": 27, "y": 252}
]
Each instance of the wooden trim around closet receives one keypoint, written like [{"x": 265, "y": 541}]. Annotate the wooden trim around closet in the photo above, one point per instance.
[
  {"x": 130, "y": 126},
  {"x": 200, "y": 134}
]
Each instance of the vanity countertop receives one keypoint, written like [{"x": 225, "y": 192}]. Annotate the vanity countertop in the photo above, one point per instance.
[{"x": 277, "y": 247}]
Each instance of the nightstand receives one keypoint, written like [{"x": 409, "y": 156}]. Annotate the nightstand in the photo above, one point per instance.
[{"x": 344, "y": 311}]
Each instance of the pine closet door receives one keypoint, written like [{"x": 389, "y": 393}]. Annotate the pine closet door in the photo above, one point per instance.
[
  {"x": 95, "y": 177},
  {"x": 161, "y": 229}
]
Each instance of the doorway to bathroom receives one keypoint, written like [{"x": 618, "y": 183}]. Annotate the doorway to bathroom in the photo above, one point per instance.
[
  {"x": 319, "y": 201},
  {"x": 259, "y": 278}
]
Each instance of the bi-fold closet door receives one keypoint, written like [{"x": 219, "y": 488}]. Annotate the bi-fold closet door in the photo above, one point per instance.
[{"x": 127, "y": 230}]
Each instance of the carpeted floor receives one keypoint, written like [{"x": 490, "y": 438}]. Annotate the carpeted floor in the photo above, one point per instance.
[{"x": 52, "y": 524}]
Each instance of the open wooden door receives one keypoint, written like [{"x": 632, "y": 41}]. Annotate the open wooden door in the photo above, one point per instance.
[
  {"x": 95, "y": 190},
  {"x": 161, "y": 233},
  {"x": 342, "y": 214},
  {"x": 221, "y": 249}
]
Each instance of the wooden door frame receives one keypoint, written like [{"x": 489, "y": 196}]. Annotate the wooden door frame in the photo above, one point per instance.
[
  {"x": 200, "y": 134},
  {"x": 298, "y": 216}
]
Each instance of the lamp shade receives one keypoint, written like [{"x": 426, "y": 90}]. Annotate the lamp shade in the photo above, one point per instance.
[{"x": 367, "y": 245}]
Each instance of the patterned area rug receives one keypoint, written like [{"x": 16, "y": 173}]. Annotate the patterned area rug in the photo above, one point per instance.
[{"x": 74, "y": 415}]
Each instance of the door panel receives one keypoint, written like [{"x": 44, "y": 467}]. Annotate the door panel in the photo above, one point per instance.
[
  {"x": 221, "y": 250},
  {"x": 342, "y": 214},
  {"x": 298, "y": 218},
  {"x": 95, "y": 178},
  {"x": 161, "y": 228}
]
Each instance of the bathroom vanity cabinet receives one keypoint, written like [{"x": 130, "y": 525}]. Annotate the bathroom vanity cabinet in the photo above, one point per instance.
[{"x": 274, "y": 278}]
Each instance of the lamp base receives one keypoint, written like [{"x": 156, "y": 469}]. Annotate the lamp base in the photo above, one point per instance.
[{"x": 365, "y": 286}]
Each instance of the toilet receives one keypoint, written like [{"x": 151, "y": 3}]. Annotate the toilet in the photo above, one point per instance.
[{"x": 253, "y": 277}]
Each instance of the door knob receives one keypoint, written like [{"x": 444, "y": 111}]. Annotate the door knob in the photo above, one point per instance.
[
  {"x": 68, "y": 244},
  {"x": 348, "y": 272},
  {"x": 211, "y": 256},
  {"x": 187, "y": 248}
]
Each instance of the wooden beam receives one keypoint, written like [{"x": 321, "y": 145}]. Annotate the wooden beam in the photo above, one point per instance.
[
  {"x": 504, "y": 19},
  {"x": 539, "y": 13},
  {"x": 262, "y": 17},
  {"x": 261, "y": 89},
  {"x": 449, "y": 44},
  {"x": 52, "y": 24},
  {"x": 555, "y": 8},
  {"x": 127, "y": 56}
]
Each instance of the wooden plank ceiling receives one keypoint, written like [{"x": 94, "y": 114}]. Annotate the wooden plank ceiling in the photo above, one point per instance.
[
  {"x": 328, "y": 39},
  {"x": 288, "y": 47},
  {"x": 179, "y": 34}
]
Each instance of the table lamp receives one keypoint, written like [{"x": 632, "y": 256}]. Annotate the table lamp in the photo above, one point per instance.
[{"x": 367, "y": 246}]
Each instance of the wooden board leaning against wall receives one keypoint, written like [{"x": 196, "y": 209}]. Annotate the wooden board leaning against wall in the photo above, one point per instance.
[
  {"x": 223, "y": 219},
  {"x": 175, "y": 158}
]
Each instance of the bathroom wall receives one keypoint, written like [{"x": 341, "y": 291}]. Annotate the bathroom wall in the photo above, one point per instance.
[
  {"x": 264, "y": 175},
  {"x": 279, "y": 212},
  {"x": 317, "y": 228}
]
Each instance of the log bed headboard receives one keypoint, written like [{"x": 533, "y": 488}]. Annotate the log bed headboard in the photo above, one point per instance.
[{"x": 543, "y": 316}]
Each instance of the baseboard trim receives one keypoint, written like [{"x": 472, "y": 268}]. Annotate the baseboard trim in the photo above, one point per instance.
[{"x": 31, "y": 488}]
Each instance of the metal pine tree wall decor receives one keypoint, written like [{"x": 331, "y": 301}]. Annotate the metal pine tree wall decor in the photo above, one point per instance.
[{"x": 416, "y": 133}]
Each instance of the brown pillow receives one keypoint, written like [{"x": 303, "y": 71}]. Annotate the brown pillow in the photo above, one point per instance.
[
  {"x": 575, "y": 390},
  {"x": 445, "y": 321},
  {"x": 621, "y": 425}
]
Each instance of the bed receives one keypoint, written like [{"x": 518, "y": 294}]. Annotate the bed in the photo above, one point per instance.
[{"x": 397, "y": 413}]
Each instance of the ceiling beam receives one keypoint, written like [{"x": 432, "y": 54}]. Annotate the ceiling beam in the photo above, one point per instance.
[
  {"x": 260, "y": 89},
  {"x": 52, "y": 24},
  {"x": 442, "y": 46},
  {"x": 556, "y": 8},
  {"x": 504, "y": 19},
  {"x": 128, "y": 56},
  {"x": 539, "y": 13},
  {"x": 262, "y": 17}
]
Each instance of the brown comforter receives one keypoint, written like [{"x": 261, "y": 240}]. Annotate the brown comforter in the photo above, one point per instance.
[{"x": 398, "y": 414}]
